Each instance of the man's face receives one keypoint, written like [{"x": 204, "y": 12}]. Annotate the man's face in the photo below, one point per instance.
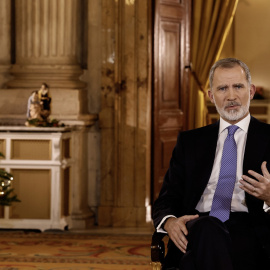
[{"x": 231, "y": 93}]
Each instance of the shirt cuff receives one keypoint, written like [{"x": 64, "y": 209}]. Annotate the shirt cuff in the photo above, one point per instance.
[
  {"x": 159, "y": 227},
  {"x": 266, "y": 207}
]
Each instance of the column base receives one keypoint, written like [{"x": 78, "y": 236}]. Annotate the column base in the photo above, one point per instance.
[{"x": 81, "y": 221}]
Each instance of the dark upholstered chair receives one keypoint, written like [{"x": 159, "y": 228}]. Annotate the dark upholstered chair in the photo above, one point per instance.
[{"x": 157, "y": 250}]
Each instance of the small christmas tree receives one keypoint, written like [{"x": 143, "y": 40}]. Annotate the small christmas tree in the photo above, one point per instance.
[{"x": 7, "y": 195}]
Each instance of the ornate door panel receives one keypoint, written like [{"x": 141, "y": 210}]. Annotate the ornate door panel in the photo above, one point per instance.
[{"x": 170, "y": 97}]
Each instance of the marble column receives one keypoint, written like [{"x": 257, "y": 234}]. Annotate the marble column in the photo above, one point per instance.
[
  {"x": 48, "y": 44},
  {"x": 5, "y": 34}
]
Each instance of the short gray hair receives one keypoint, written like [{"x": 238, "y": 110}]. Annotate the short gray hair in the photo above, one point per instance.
[{"x": 229, "y": 63}]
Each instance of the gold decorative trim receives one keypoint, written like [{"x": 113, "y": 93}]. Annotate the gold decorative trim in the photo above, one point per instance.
[{"x": 156, "y": 265}]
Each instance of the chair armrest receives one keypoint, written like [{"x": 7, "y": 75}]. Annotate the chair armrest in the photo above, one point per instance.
[{"x": 157, "y": 247}]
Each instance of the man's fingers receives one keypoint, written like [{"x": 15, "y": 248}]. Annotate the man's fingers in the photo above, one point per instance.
[
  {"x": 252, "y": 186},
  {"x": 179, "y": 234},
  {"x": 261, "y": 178},
  {"x": 177, "y": 230},
  {"x": 190, "y": 217},
  {"x": 184, "y": 230},
  {"x": 182, "y": 243},
  {"x": 179, "y": 239},
  {"x": 265, "y": 171},
  {"x": 259, "y": 189},
  {"x": 181, "y": 247},
  {"x": 258, "y": 176},
  {"x": 246, "y": 182},
  {"x": 186, "y": 219}
]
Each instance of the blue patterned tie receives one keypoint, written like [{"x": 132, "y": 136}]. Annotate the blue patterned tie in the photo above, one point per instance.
[{"x": 221, "y": 205}]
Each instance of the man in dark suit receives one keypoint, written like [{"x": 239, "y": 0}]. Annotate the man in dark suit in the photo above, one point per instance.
[{"x": 185, "y": 208}]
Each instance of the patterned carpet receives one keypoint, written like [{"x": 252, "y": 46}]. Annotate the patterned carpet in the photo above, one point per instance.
[{"x": 69, "y": 251}]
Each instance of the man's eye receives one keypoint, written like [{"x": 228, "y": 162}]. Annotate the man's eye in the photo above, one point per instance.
[
  {"x": 222, "y": 88},
  {"x": 238, "y": 86}
]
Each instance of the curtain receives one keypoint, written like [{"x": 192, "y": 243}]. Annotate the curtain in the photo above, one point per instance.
[{"x": 211, "y": 22}]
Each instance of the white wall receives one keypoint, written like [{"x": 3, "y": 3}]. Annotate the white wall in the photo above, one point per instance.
[{"x": 250, "y": 40}]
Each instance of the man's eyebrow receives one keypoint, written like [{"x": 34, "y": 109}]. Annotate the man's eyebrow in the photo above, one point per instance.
[
  {"x": 238, "y": 84},
  {"x": 222, "y": 86}
]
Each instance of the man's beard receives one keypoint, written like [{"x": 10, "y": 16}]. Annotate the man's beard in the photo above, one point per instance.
[{"x": 233, "y": 115}]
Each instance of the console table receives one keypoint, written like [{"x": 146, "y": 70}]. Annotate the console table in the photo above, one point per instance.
[{"x": 40, "y": 160}]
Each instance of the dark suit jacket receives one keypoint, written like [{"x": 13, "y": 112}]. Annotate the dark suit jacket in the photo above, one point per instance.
[{"x": 191, "y": 166}]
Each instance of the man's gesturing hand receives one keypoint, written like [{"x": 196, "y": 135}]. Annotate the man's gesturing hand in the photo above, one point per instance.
[
  {"x": 259, "y": 189},
  {"x": 177, "y": 230}
]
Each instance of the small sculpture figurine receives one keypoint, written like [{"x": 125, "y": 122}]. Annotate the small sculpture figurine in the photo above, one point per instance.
[
  {"x": 45, "y": 101},
  {"x": 33, "y": 106},
  {"x": 39, "y": 109}
]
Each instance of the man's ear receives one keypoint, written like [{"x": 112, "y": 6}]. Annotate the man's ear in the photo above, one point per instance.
[
  {"x": 210, "y": 95},
  {"x": 252, "y": 91}
]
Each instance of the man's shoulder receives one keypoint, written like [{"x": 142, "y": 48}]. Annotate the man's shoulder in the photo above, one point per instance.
[
  {"x": 257, "y": 124},
  {"x": 199, "y": 134},
  {"x": 202, "y": 130}
]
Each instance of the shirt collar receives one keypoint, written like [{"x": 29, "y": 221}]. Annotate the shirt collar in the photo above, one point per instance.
[{"x": 243, "y": 124}]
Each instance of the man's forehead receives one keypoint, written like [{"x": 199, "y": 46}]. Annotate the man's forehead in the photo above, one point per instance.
[
  {"x": 227, "y": 69},
  {"x": 236, "y": 74}
]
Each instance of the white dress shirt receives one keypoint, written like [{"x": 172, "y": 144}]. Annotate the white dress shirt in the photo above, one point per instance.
[{"x": 238, "y": 198}]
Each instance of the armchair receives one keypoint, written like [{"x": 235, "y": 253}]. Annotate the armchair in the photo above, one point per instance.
[{"x": 157, "y": 250}]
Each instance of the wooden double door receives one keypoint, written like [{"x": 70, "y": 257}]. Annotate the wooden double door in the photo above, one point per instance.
[{"x": 171, "y": 54}]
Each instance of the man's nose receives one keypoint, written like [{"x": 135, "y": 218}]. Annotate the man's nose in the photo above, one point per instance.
[{"x": 231, "y": 94}]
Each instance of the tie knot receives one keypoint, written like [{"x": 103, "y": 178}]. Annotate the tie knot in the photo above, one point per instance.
[{"x": 232, "y": 129}]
